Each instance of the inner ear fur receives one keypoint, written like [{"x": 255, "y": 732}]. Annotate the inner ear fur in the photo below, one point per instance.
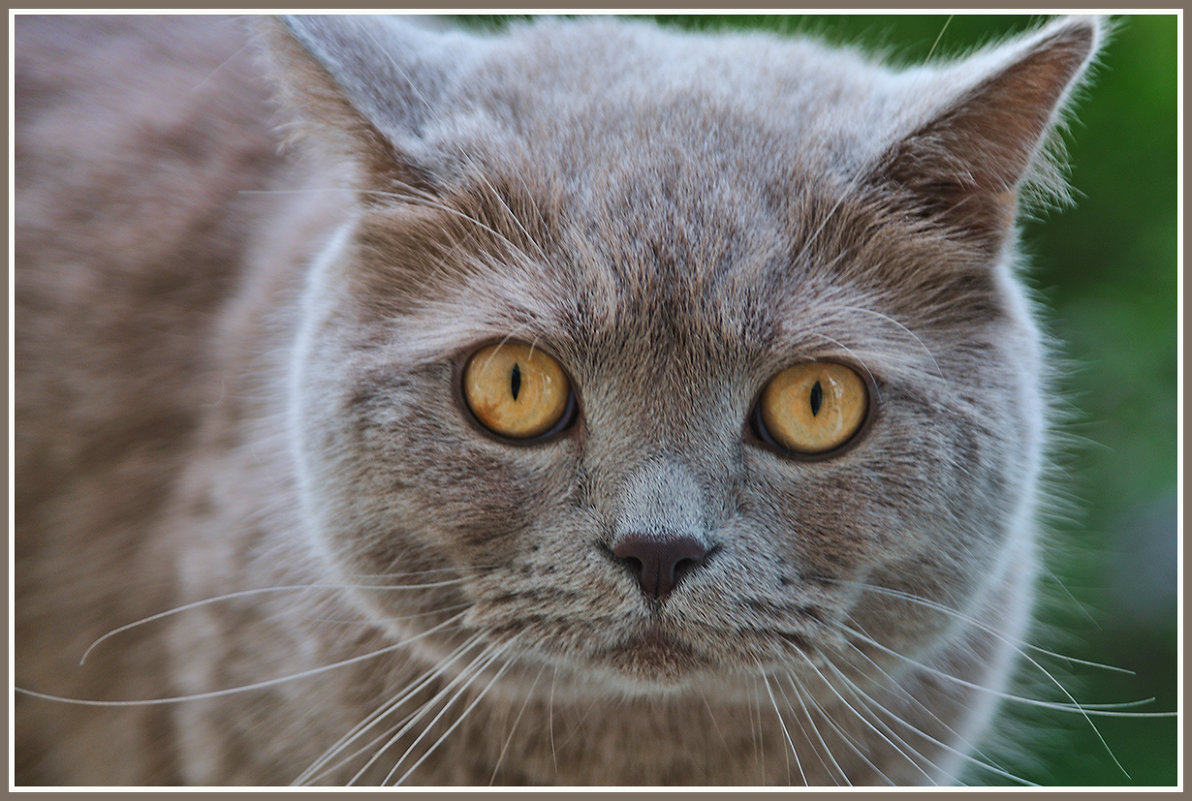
[
  {"x": 317, "y": 89},
  {"x": 965, "y": 166}
]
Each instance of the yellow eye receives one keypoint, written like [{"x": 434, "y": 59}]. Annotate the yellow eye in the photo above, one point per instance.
[
  {"x": 813, "y": 407},
  {"x": 515, "y": 390}
]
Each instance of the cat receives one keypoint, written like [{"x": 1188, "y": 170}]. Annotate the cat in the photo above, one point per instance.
[{"x": 585, "y": 403}]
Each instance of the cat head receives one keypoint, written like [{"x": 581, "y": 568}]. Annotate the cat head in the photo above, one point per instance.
[{"x": 666, "y": 345}]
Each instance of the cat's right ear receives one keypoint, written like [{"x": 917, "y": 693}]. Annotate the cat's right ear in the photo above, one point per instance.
[{"x": 364, "y": 89}]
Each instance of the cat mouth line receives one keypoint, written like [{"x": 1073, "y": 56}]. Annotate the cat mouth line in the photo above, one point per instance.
[{"x": 653, "y": 649}]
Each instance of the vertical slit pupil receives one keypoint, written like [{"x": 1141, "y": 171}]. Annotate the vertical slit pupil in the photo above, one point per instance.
[
  {"x": 516, "y": 381},
  {"x": 817, "y": 398}
]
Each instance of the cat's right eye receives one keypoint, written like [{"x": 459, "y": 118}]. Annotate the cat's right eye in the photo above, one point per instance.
[
  {"x": 516, "y": 391},
  {"x": 812, "y": 408}
]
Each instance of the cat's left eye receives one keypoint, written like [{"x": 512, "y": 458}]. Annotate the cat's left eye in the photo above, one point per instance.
[
  {"x": 812, "y": 408},
  {"x": 517, "y": 391}
]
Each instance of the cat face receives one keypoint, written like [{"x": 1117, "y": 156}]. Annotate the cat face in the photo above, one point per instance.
[
  {"x": 667, "y": 354},
  {"x": 669, "y": 251}
]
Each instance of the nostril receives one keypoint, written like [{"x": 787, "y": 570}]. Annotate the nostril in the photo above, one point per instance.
[
  {"x": 635, "y": 565},
  {"x": 657, "y": 562}
]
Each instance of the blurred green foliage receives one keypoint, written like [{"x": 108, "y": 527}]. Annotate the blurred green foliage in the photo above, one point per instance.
[{"x": 1106, "y": 270}]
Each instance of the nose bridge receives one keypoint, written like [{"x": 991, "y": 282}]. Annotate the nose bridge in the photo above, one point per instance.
[
  {"x": 661, "y": 455},
  {"x": 662, "y": 498}
]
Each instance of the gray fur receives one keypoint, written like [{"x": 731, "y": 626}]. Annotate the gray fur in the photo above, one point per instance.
[{"x": 675, "y": 218}]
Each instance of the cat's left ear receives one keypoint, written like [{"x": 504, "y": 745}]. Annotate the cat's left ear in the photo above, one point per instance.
[{"x": 965, "y": 163}]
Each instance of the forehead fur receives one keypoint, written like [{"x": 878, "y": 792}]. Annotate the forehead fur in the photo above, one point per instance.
[
  {"x": 604, "y": 187},
  {"x": 744, "y": 272},
  {"x": 616, "y": 98}
]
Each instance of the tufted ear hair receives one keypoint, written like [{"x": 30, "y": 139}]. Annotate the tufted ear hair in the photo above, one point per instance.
[
  {"x": 366, "y": 88},
  {"x": 966, "y": 160}
]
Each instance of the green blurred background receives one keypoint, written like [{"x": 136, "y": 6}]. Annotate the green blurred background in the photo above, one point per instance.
[{"x": 1106, "y": 269}]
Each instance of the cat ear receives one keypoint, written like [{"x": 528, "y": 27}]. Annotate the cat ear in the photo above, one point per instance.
[
  {"x": 365, "y": 87},
  {"x": 964, "y": 166}
]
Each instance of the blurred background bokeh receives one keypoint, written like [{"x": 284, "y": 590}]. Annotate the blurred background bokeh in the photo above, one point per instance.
[{"x": 1106, "y": 270}]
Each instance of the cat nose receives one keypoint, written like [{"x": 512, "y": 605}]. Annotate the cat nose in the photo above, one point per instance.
[{"x": 658, "y": 562}]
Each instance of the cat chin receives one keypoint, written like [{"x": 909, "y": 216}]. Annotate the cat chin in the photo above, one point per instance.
[
  {"x": 654, "y": 663},
  {"x": 648, "y": 661},
  {"x": 640, "y": 678},
  {"x": 654, "y": 658}
]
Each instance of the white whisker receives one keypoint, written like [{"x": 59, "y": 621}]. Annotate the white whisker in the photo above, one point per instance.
[
  {"x": 803, "y": 729},
  {"x": 756, "y": 731},
  {"x": 420, "y": 201},
  {"x": 578, "y": 726},
  {"x": 387, "y": 618},
  {"x": 849, "y": 187},
  {"x": 893, "y": 683},
  {"x": 859, "y": 716},
  {"x": 550, "y": 720},
  {"x": 248, "y": 593},
  {"x": 1103, "y": 710},
  {"x": 961, "y": 616},
  {"x": 413, "y": 687},
  {"x": 875, "y": 708},
  {"x": 246, "y": 687},
  {"x": 860, "y": 361},
  {"x": 511, "y": 215},
  {"x": 913, "y": 335},
  {"x": 799, "y": 693},
  {"x": 513, "y": 728},
  {"x": 497, "y": 652},
  {"x": 965, "y": 756},
  {"x": 1072, "y": 598},
  {"x": 464, "y": 676},
  {"x": 782, "y": 723},
  {"x": 220, "y": 67},
  {"x": 712, "y": 716},
  {"x": 844, "y": 736}
]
